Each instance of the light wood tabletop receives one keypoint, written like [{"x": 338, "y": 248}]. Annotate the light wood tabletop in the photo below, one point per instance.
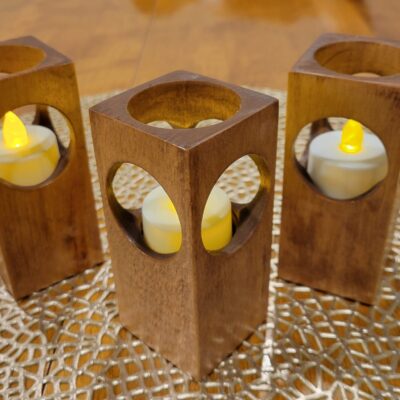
[{"x": 117, "y": 44}]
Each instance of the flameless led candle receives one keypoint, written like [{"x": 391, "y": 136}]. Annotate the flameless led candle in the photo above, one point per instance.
[
  {"x": 28, "y": 154},
  {"x": 162, "y": 229},
  {"x": 345, "y": 164}
]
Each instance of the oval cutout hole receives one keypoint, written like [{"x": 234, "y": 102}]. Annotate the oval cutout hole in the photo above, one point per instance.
[
  {"x": 340, "y": 158},
  {"x": 184, "y": 104},
  {"x": 235, "y": 205},
  {"x": 18, "y": 58},
  {"x": 241, "y": 180},
  {"x": 358, "y": 57},
  {"x": 144, "y": 210},
  {"x": 45, "y": 149}
]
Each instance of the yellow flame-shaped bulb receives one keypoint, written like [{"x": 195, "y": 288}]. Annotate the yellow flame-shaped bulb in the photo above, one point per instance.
[
  {"x": 14, "y": 131},
  {"x": 352, "y": 137}
]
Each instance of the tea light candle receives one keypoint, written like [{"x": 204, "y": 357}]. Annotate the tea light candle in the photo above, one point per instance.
[
  {"x": 162, "y": 229},
  {"x": 28, "y": 154},
  {"x": 345, "y": 164}
]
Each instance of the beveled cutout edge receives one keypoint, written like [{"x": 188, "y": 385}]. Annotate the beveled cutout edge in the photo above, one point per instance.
[
  {"x": 307, "y": 64},
  {"x": 210, "y": 100},
  {"x": 130, "y": 221},
  {"x": 320, "y": 126},
  {"x": 23, "y": 53},
  {"x": 42, "y": 118},
  {"x": 246, "y": 217},
  {"x": 53, "y": 58},
  {"x": 250, "y": 100},
  {"x": 372, "y": 61}
]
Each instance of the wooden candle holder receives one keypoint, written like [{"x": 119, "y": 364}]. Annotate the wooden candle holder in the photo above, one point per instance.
[
  {"x": 335, "y": 245},
  {"x": 193, "y": 306},
  {"x": 49, "y": 231}
]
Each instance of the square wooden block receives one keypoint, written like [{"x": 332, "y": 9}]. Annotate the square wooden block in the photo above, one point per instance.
[
  {"x": 339, "y": 245},
  {"x": 49, "y": 231},
  {"x": 194, "y": 306}
]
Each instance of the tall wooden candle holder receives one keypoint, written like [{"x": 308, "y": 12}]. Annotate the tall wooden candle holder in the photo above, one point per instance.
[
  {"x": 193, "y": 306},
  {"x": 339, "y": 245},
  {"x": 49, "y": 231}
]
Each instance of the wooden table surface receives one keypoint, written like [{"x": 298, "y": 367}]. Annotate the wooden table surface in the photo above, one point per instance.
[{"x": 119, "y": 43}]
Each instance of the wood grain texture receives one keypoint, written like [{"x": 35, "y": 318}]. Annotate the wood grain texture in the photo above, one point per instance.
[
  {"x": 339, "y": 246},
  {"x": 103, "y": 37},
  {"x": 383, "y": 17},
  {"x": 251, "y": 43},
  {"x": 49, "y": 231},
  {"x": 117, "y": 44},
  {"x": 194, "y": 306}
]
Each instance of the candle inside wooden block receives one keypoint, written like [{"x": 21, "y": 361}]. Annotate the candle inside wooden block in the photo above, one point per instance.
[
  {"x": 346, "y": 164},
  {"x": 48, "y": 229},
  {"x": 28, "y": 154},
  {"x": 162, "y": 228},
  {"x": 204, "y": 300}
]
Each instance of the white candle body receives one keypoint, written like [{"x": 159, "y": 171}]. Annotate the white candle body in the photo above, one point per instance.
[
  {"x": 162, "y": 229},
  {"x": 32, "y": 163},
  {"x": 342, "y": 175}
]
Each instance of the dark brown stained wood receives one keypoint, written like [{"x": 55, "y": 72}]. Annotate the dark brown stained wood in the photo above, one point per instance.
[
  {"x": 193, "y": 306},
  {"x": 47, "y": 232},
  {"x": 339, "y": 246}
]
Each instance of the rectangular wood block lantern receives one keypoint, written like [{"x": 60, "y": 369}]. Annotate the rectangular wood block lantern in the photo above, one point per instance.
[
  {"x": 338, "y": 244},
  {"x": 48, "y": 222},
  {"x": 195, "y": 306}
]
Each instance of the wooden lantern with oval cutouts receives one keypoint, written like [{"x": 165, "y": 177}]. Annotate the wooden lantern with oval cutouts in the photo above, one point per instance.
[
  {"x": 194, "y": 306},
  {"x": 339, "y": 245},
  {"x": 48, "y": 231}
]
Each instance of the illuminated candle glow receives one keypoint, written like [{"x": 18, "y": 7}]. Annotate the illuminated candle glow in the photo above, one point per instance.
[
  {"x": 162, "y": 229},
  {"x": 352, "y": 137},
  {"x": 14, "y": 131},
  {"x": 345, "y": 164},
  {"x": 28, "y": 154}
]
